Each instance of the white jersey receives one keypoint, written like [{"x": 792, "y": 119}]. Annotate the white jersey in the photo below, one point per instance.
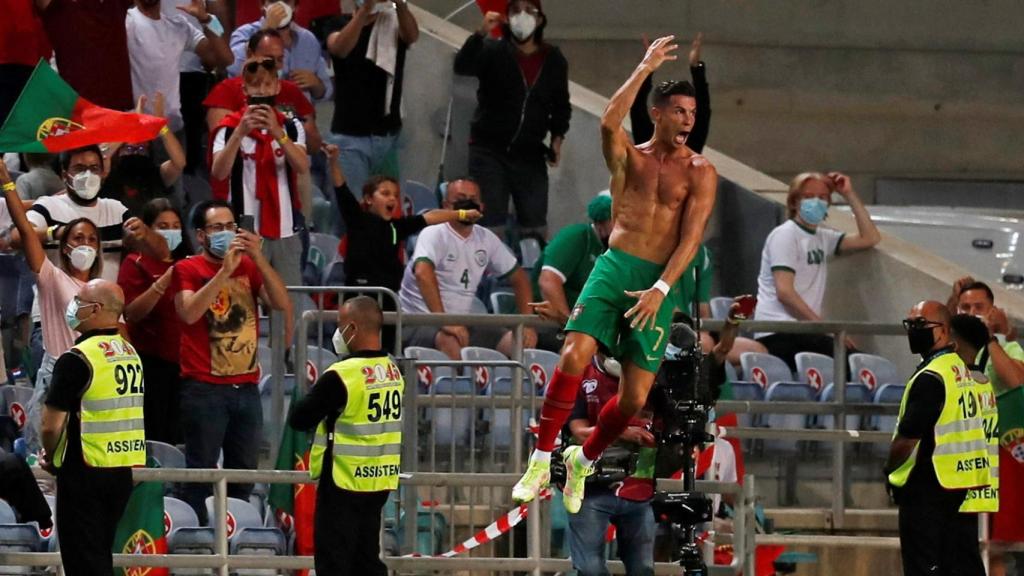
[
  {"x": 802, "y": 251},
  {"x": 250, "y": 202},
  {"x": 459, "y": 264}
]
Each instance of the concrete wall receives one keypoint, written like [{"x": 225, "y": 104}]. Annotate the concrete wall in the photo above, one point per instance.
[{"x": 916, "y": 89}]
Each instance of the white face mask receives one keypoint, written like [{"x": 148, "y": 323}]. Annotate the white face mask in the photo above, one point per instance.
[
  {"x": 522, "y": 25},
  {"x": 82, "y": 257},
  {"x": 339, "y": 341},
  {"x": 612, "y": 367},
  {"x": 86, "y": 185}
]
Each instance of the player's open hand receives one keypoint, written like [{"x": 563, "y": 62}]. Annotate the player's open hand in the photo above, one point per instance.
[
  {"x": 659, "y": 52},
  {"x": 646, "y": 310}
]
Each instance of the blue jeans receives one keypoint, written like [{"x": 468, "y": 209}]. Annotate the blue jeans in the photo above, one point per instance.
[
  {"x": 218, "y": 417},
  {"x": 361, "y": 156},
  {"x": 634, "y": 533}
]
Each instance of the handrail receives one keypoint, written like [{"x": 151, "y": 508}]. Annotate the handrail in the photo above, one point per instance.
[{"x": 223, "y": 562}]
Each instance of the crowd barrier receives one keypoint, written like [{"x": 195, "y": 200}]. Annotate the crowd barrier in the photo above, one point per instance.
[{"x": 839, "y": 435}]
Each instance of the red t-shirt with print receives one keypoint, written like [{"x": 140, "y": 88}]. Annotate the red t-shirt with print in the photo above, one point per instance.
[{"x": 220, "y": 347}]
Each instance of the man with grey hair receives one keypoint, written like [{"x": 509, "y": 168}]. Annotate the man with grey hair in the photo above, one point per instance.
[{"x": 794, "y": 267}]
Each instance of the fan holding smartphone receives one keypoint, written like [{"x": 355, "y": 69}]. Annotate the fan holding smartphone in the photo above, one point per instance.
[{"x": 258, "y": 153}]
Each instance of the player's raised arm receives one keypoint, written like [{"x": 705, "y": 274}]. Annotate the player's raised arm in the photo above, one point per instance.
[
  {"x": 614, "y": 141},
  {"x": 695, "y": 218}
]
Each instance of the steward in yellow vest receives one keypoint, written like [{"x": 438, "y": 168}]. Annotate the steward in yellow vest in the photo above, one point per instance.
[
  {"x": 939, "y": 452},
  {"x": 356, "y": 407},
  {"x": 971, "y": 337},
  {"x": 92, "y": 429}
]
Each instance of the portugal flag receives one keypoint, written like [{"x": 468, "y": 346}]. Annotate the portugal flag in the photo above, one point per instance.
[
  {"x": 294, "y": 504},
  {"x": 141, "y": 529},
  {"x": 49, "y": 116}
]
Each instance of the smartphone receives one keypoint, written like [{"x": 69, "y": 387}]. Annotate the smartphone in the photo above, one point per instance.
[
  {"x": 257, "y": 100},
  {"x": 747, "y": 303},
  {"x": 247, "y": 223}
]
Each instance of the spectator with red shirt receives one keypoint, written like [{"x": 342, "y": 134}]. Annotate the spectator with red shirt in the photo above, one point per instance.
[
  {"x": 258, "y": 154},
  {"x": 523, "y": 97},
  {"x": 22, "y": 43},
  {"x": 153, "y": 322},
  {"x": 215, "y": 295},
  {"x": 228, "y": 96},
  {"x": 91, "y": 44}
]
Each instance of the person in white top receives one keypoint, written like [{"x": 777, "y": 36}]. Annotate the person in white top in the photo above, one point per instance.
[
  {"x": 445, "y": 271},
  {"x": 794, "y": 262},
  {"x": 156, "y": 41}
]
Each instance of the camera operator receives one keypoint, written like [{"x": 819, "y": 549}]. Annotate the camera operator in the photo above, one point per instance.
[{"x": 626, "y": 502}]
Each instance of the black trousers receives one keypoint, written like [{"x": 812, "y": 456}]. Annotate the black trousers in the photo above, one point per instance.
[
  {"x": 19, "y": 488},
  {"x": 162, "y": 399},
  {"x": 938, "y": 541},
  {"x": 503, "y": 177},
  {"x": 787, "y": 346},
  {"x": 346, "y": 530},
  {"x": 193, "y": 88},
  {"x": 89, "y": 505}
]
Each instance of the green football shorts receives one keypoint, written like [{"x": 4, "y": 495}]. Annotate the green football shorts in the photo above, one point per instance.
[{"x": 603, "y": 301}]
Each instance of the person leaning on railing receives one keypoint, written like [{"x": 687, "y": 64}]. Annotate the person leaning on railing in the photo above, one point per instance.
[
  {"x": 794, "y": 262},
  {"x": 356, "y": 408}
]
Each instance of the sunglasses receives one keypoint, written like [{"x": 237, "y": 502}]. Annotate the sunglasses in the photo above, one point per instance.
[
  {"x": 919, "y": 323},
  {"x": 268, "y": 63}
]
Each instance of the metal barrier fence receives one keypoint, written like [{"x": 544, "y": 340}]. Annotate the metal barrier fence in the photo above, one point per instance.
[{"x": 838, "y": 408}]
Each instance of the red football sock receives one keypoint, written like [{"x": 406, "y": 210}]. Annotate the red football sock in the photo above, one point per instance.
[
  {"x": 611, "y": 423},
  {"x": 558, "y": 403}
]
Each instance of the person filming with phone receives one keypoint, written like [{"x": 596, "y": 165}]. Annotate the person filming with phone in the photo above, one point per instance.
[
  {"x": 794, "y": 262},
  {"x": 215, "y": 296},
  {"x": 257, "y": 155}
]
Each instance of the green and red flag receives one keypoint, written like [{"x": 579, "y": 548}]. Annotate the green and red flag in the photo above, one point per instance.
[
  {"x": 141, "y": 529},
  {"x": 49, "y": 116},
  {"x": 1011, "y": 422},
  {"x": 295, "y": 504}
]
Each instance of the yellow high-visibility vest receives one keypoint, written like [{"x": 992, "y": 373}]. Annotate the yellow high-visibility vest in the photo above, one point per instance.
[
  {"x": 986, "y": 499},
  {"x": 961, "y": 457},
  {"x": 113, "y": 429},
  {"x": 366, "y": 438}
]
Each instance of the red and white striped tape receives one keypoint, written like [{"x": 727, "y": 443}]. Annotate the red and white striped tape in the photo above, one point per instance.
[{"x": 492, "y": 532}]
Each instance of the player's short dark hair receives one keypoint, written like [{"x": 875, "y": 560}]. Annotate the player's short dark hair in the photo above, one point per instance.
[
  {"x": 977, "y": 285},
  {"x": 970, "y": 329},
  {"x": 664, "y": 92},
  {"x": 65, "y": 157},
  {"x": 255, "y": 39},
  {"x": 199, "y": 212}
]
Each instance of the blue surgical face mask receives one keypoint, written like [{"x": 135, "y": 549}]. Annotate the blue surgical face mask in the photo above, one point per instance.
[
  {"x": 813, "y": 210},
  {"x": 71, "y": 313},
  {"x": 218, "y": 242},
  {"x": 173, "y": 238}
]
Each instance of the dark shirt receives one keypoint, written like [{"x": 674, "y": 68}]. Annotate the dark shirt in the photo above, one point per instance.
[
  {"x": 327, "y": 398},
  {"x": 640, "y": 115},
  {"x": 924, "y": 405},
  {"x": 91, "y": 44},
  {"x": 512, "y": 115},
  {"x": 374, "y": 244},
  {"x": 71, "y": 376},
  {"x": 360, "y": 88}
]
